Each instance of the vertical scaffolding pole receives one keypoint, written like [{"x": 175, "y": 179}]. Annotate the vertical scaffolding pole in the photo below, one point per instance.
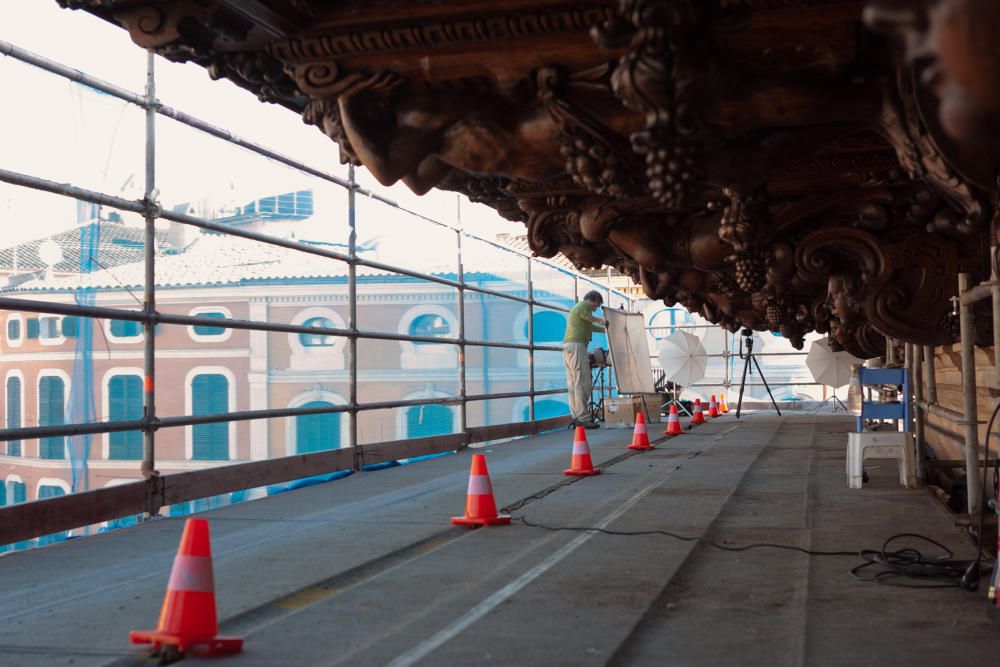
[
  {"x": 970, "y": 408},
  {"x": 995, "y": 279},
  {"x": 463, "y": 408},
  {"x": 352, "y": 309},
  {"x": 929, "y": 376},
  {"x": 917, "y": 382},
  {"x": 153, "y": 498},
  {"x": 531, "y": 343}
]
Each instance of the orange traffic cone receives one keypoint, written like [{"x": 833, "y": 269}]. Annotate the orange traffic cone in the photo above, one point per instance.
[
  {"x": 673, "y": 422},
  {"x": 699, "y": 416},
  {"x": 723, "y": 408},
  {"x": 187, "y": 619},
  {"x": 480, "y": 507},
  {"x": 581, "y": 463},
  {"x": 713, "y": 408},
  {"x": 640, "y": 437}
]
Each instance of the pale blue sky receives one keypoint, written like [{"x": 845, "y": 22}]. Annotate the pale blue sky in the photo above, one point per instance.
[{"x": 64, "y": 132}]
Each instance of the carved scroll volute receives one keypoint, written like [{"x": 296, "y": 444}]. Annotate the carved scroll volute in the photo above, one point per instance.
[
  {"x": 840, "y": 250},
  {"x": 165, "y": 24},
  {"x": 914, "y": 304},
  {"x": 658, "y": 78}
]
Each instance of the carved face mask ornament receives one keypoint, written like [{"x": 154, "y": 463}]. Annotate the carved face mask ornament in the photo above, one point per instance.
[{"x": 954, "y": 43}]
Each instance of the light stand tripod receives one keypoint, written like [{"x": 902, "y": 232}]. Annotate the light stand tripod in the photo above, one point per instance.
[
  {"x": 597, "y": 380},
  {"x": 747, "y": 340}
]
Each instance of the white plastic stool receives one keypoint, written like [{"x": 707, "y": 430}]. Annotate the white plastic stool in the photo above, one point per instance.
[{"x": 881, "y": 445}]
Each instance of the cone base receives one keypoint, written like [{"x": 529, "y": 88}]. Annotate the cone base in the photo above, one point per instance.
[
  {"x": 199, "y": 646},
  {"x": 673, "y": 433},
  {"x": 640, "y": 448},
  {"x": 582, "y": 473},
  {"x": 501, "y": 520}
]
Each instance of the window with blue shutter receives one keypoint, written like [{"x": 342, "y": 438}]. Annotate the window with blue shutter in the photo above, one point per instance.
[
  {"x": 13, "y": 413},
  {"x": 125, "y": 403},
  {"x": 49, "y": 327},
  {"x": 429, "y": 325},
  {"x": 52, "y": 412},
  {"x": 209, "y": 396},
  {"x": 47, "y": 491},
  {"x": 427, "y": 420},
  {"x": 204, "y": 330},
  {"x": 125, "y": 328},
  {"x": 13, "y": 330},
  {"x": 17, "y": 492},
  {"x": 34, "y": 329},
  {"x": 317, "y": 340},
  {"x": 70, "y": 326},
  {"x": 314, "y": 433}
]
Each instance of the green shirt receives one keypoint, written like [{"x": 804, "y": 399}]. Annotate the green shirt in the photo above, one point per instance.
[{"x": 578, "y": 324}]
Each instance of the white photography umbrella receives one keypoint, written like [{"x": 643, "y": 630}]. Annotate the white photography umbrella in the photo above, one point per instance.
[
  {"x": 829, "y": 367},
  {"x": 683, "y": 358}
]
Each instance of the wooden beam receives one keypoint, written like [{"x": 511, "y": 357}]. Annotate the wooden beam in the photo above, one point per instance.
[{"x": 52, "y": 515}]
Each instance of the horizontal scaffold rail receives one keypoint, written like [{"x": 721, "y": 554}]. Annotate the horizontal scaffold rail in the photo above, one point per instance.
[{"x": 26, "y": 521}]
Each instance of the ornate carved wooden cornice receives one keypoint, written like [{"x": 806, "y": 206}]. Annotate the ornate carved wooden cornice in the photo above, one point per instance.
[{"x": 790, "y": 165}]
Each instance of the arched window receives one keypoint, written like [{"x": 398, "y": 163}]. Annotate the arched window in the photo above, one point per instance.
[
  {"x": 14, "y": 330},
  {"x": 319, "y": 352},
  {"x": 427, "y": 420},
  {"x": 13, "y": 412},
  {"x": 210, "y": 395},
  {"x": 429, "y": 325},
  {"x": 549, "y": 327},
  {"x": 317, "y": 340},
  {"x": 51, "y": 412},
  {"x": 429, "y": 321},
  {"x": 314, "y": 433},
  {"x": 124, "y": 404}
]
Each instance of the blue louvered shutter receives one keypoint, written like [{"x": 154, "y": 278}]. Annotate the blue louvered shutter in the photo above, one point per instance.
[
  {"x": 34, "y": 328},
  {"x": 427, "y": 420},
  {"x": 13, "y": 329},
  {"x": 13, "y": 413},
  {"x": 125, "y": 328},
  {"x": 52, "y": 412},
  {"x": 3, "y": 494},
  {"x": 70, "y": 326},
  {"x": 209, "y": 396},
  {"x": 314, "y": 433},
  {"x": 125, "y": 403},
  {"x": 17, "y": 492}
]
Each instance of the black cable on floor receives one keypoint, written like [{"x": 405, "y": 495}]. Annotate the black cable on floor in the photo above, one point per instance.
[
  {"x": 941, "y": 571},
  {"x": 688, "y": 538},
  {"x": 905, "y": 563}
]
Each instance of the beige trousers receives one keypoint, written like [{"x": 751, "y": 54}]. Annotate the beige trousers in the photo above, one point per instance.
[{"x": 578, "y": 380}]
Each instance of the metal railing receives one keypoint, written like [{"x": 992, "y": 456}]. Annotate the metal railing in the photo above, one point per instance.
[{"x": 42, "y": 517}]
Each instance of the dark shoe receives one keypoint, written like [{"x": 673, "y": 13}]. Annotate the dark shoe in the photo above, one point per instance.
[{"x": 590, "y": 425}]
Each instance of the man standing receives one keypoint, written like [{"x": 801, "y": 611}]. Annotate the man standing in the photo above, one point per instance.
[{"x": 579, "y": 326}]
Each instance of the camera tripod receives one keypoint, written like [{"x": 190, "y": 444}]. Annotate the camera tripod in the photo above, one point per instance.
[{"x": 747, "y": 340}]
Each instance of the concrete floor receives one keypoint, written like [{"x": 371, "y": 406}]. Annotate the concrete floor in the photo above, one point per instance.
[{"x": 367, "y": 570}]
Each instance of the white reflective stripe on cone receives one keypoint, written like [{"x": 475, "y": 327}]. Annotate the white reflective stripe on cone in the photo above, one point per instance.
[
  {"x": 580, "y": 447},
  {"x": 672, "y": 418},
  {"x": 191, "y": 573},
  {"x": 479, "y": 485},
  {"x": 640, "y": 428}
]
